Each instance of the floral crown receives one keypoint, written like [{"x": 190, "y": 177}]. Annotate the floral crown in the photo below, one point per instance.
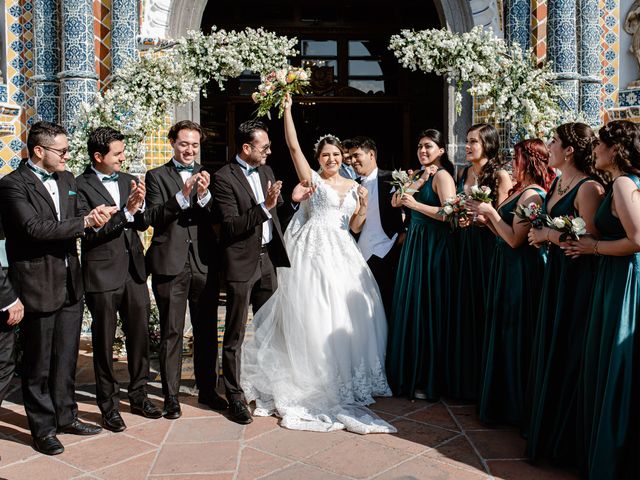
[{"x": 325, "y": 137}]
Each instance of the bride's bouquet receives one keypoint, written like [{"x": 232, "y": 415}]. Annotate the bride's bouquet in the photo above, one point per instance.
[
  {"x": 453, "y": 210},
  {"x": 569, "y": 227},
  {"x": 275, "y": 86},
  {"x": 532, "y": 214}
]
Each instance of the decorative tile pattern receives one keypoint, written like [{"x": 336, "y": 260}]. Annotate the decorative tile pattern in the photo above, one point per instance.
[
  {"x": 609, "y": 52},
  {"x": 47, "y": 60},
  {"x": 124, "y": 31},
  {"x": 539, "y": 29},
  {"x": 517, "y": 24},
  {"x": 589, "y": 61},
  {"x": 562, "y": 51}
]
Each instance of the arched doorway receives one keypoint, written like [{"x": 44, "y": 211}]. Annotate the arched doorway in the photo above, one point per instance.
[{"x": 341, "y": 22}]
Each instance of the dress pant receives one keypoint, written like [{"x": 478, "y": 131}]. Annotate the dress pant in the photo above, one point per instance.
[
  {"x": 132, "y": 302},
  {"x": 256, "y": 292},
  {"x": 50, "y": 354},
  {"x": 384, "y": 271},
  {"x": 201, "y": 291},
  {"x": 7, "y": 354}
]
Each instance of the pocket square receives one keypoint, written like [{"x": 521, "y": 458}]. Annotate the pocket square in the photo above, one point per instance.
[{"x": 71, "y": 192}]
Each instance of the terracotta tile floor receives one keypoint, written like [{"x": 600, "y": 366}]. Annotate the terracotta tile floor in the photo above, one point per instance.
[{"x": 434, "y": 441}]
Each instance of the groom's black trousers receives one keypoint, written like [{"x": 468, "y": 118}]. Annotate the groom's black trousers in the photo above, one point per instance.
[
  {"x": 256, "y": 292},
  {"x": 384, "y": 271}
]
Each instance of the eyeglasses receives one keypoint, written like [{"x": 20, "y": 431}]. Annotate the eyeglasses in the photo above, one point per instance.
[
  {"x": 262, "y": 150},
  {"x": 60, "y": 153}
]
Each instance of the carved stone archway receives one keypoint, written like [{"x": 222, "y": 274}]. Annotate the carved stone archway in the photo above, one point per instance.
[{"x": 174, "y": 18}]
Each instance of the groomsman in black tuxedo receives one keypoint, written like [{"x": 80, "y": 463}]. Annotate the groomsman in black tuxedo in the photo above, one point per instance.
[
  {"x": 383, "y": 231},
  {"x": 182, "y": 260},
  {"x": 11, "y": 313},
  {"x": 42, "y": 216},
  {"x": 115, "y": 277},
  {"x": 247, "y": 195}
]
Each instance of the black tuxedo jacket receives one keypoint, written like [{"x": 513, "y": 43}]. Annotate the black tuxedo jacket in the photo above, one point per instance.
[
  {"x": 174, "y": 229},
  {"x": 390, "y": 217},
  {"x": 242, "y": 218},
  {"x": 38, "y": 243},
  {"x": 108, "y": 253},
  {"x": 7, "y": 295}
]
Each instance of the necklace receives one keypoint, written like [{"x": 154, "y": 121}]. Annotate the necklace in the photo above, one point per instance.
[{"x": 562, "y": 191}]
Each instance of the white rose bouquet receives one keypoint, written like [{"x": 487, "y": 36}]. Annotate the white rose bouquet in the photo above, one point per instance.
[
  {"x": 569, "y": 227},
  {"x": 275, "y": 86},
  {"x": 402, "y": 181},
  {"x": 532, "y": 214},
  {"x": 481, "y": 193},
  {"x": 454, "y": 209}
]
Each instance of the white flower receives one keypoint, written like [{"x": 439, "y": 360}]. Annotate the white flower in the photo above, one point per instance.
[
  {"x": 448, "y": 209},
  {"x": 475, "y": 189},
  {"x": 558, "y": 222},
  {"x": 578, "y": 225}
]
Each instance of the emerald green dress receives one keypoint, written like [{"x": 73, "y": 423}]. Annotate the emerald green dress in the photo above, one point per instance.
[
  {"x": 422, "y": 303},
  {"x": 515, "y": 278},
  {"x": 558, "y": 346},
  {"x": 464, "y": 335},
  {"x": 611, "y": 369}
]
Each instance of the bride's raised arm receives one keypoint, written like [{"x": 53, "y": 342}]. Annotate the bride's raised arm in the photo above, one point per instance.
[{"x": 299, "y": 161}]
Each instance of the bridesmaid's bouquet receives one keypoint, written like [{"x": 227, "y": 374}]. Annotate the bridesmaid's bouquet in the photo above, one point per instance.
[
  {"x": 401, "y": 180},
  {"x": 569, "y": 227},
  {"x": 275, "y": 86},
  {"x": 532, "y": 214},
  {"x": 481, "y": 194},
  {"x": 454, "y": 209}
]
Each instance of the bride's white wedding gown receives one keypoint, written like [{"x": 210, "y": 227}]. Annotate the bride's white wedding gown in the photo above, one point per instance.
[{"x": 315, "y": 352}]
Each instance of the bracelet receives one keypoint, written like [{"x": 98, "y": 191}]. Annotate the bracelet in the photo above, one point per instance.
[{"x": 595, "y": 248}]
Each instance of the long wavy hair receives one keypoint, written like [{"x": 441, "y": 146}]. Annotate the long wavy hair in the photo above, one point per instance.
[
  {"x": 490, "y": 140},
  {"x": 436, "y": 137},
  {"x": 531, "y": 159},
  {"x": 624, "y": 137},
  {"x": 582, "y": 138}
]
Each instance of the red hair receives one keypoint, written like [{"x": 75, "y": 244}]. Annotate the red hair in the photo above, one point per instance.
[{"x": 531, "y": 159}]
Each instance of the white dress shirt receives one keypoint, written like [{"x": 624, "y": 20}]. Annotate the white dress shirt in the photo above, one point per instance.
[
  {"x": 254, "y": 182},
  {"x": 373, "y": 240},
  {"x": 114, "y": 191},
  {"x": 51, "y": 185},
  {"x": 182, "y": 200}
]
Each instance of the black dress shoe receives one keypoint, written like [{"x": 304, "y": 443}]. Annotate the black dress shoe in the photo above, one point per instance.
[
  {"x": 146, "y": 408},
  {"x": 49, "y": 445},
  {"x": 172, "y": 408},
  {"x": 239, "y": 413},
  {"x": 113, "y": 421},
  {"x": 78, "y": 427},
  {"x": 214, "y": 401}
]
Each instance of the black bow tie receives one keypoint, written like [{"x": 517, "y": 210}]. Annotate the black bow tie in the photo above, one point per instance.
[
  {"x": 185, "y": 168},
  {"x": 43, "y": 174},
  {"x": 358, "y": 179},
  {"x": 110, "y": 178}
]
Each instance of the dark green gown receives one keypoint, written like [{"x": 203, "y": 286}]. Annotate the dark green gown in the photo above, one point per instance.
[
  {"x": 558, "y": 346},
  {"x": 515, "y": 278},
  {"x": 422, "y": 303},
  {"x": 465, "y": 332},
  {"x": 611, "y": 369}
]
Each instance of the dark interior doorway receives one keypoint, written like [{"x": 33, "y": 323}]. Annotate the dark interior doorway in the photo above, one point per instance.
[{"x": 359, "y": 87}]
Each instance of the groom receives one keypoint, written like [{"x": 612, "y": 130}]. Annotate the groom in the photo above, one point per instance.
[
  {"x": 247, "y": 195},
  {"x": 383, "y": 231}
]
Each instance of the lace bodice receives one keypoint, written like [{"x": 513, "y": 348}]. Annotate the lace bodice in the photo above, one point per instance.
[{"x": 326, "y": 207}]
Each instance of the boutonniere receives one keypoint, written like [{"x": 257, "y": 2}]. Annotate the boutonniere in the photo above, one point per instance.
[{"x": 71, "y": 193}]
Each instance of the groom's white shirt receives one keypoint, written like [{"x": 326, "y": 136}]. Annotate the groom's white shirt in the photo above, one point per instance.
[
  {"x": 256, "y": 187},
  {"x": 373, "y": 240}
]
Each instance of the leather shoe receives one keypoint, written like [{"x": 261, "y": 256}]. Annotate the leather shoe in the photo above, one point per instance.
[
  {"x": 214, "y": 401},
  {"x": 49, "y": 445},
  {"x": 172, "y": 408},
  {"x": 239, "y": 413},
  {"x": 78, "y": 427},
  {"x": 146, "y": 408},
  {"x": 113, "y": 421}
]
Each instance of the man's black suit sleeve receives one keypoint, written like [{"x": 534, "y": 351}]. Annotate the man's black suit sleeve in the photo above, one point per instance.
[
  {"x": 235, "y": 224},
  {"x": 159, "y": 212},
  {"x": 16, "y": 206},
  {"x": 7, "y": 295}
]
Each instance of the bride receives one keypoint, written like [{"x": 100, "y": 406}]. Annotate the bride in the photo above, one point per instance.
[{"x": 315, "y": 352}]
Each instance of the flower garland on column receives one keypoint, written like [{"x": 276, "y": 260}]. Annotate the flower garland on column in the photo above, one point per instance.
[
  {"x": 504, "y": 79},
  {"x": 137, "y": 101}
]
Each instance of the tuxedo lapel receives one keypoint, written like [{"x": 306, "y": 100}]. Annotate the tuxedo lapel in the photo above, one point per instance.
[
  {"x": 263, "y": 181},
  {"x": 172, "y": 171},
  {"x": 236, "y": 171},
  {"x": 31, "y": 178},
  {"x": 63, "y": 196},
  {"x": 98, "y": 186}
]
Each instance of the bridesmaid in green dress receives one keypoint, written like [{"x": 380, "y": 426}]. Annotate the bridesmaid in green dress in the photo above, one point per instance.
[
  {"x": 515, "y": 277},
  {"x": 610, "y": 393},
  {"x": 475, "y": 245},
  {"x": 424, "y": 288},
  {"x": 560, "y": 328}
]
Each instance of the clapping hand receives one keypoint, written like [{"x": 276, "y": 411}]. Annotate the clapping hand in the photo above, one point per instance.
[
  {"x": 273, "y": 192},
  {"x": 203, "y": 183},
  {"x": 303, "y": 191},
  {"x": 136, "y": 197},
  {"x": 189, "y": 184},
  {"x": 363, "y": 196},
  {"x": 99, "y": 216}
]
